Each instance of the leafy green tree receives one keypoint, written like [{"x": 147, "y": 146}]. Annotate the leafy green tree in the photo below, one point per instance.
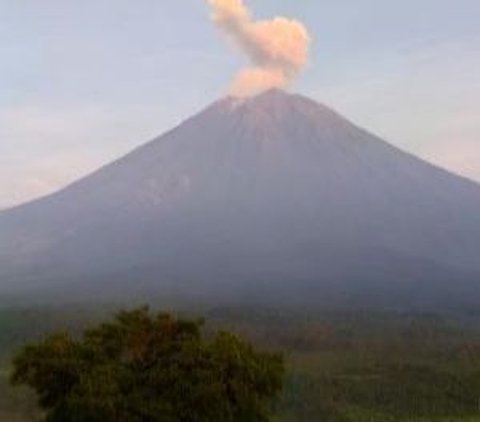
[{"x": 149, "y": 367}]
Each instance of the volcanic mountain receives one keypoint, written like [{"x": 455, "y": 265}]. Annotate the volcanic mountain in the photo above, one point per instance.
[{"x": 272, "y": 199}]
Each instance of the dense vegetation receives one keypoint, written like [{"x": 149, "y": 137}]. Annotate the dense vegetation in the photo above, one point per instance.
[
  {"x": 341, "y": 366},
  {"x": 149, "y": 367}
]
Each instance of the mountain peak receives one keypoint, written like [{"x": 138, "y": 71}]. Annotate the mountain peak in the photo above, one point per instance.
[
  {"x": 275, "y": 195},
  {"x": 277, "y": 106},
  {"x": 269, "y": 93},
  {"x": 274, "y": 97}
]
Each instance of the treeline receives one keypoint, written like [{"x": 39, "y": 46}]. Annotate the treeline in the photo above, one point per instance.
[
  {"x": 341, "y": 366},
  {"x": 19, "y": 325},
  {"x": 370, "y": 366}
]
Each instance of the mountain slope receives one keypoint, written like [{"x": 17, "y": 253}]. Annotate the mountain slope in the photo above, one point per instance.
[{"x": 274, "y": 197}]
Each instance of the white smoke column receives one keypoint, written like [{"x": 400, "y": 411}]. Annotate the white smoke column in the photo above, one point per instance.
[{"x": 277, "y": 48}]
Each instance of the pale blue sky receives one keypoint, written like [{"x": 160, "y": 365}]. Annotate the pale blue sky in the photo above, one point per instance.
[{"x": 82, "y": 82}]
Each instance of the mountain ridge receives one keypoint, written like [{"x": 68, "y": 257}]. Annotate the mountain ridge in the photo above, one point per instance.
[
  {"x": 275, "y": 187},
  {"x": 231, "y": 103}
]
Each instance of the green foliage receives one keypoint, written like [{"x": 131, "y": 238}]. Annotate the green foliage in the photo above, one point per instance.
[
  {"x": 353, "y": 366},
  {"x": 370, "y": 366},
  {"x": 145, "y": 367}
]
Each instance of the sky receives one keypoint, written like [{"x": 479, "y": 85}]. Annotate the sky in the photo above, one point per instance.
[{"x": 84, "y": 82}]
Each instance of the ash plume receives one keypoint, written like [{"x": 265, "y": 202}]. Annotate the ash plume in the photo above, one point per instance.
[{"x": 277, "y": 48}]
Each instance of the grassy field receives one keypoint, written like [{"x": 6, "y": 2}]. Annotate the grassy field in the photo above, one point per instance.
[{"x": 342, "y": 367}]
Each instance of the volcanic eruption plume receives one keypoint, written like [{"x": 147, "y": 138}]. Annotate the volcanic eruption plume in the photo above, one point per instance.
[{"x": 277, "y": 48}]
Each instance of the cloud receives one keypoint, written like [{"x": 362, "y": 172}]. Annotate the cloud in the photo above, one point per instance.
[{"x": 277, "y": 48}]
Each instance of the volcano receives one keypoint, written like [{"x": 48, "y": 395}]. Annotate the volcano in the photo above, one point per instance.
[{"x": 274, "y": 199}]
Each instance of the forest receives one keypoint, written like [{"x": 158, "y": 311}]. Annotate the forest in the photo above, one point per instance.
[{"x": 341, "y": 365}]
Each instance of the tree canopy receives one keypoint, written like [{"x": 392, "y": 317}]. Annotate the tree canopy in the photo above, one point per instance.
[{"x": 150, "y": 367}]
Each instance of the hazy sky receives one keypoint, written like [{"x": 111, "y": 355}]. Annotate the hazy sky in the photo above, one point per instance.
[{"x": 82, "y": 82}]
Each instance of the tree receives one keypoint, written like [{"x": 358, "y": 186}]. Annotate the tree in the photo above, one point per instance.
[{"x": 149, "y": 367}]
